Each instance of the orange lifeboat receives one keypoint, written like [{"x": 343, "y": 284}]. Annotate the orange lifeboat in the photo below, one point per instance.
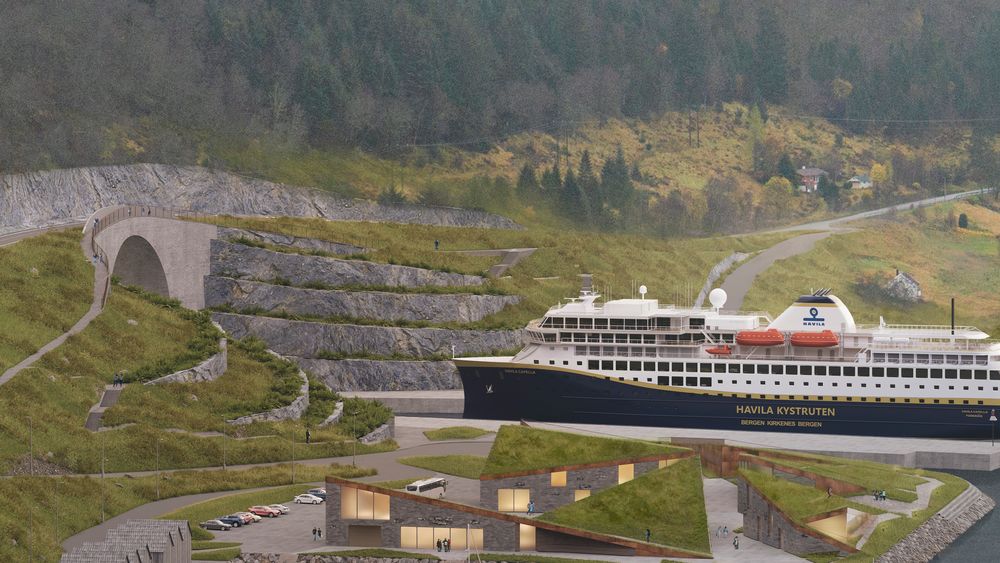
[
  {"x": 769, "y": 337},
  {"x": 720, "y": 350},
  {"x": 822, "y": 339}
]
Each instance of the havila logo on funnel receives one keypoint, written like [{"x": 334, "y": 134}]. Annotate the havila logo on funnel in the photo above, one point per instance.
[{"x": 813, "y": 319}]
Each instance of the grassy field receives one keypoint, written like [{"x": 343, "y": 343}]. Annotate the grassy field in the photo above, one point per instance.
[
  {"x": 59, "y": 507},
  {"x": 669, "y": 502},
  {"x": 226, "y": 554},
  {"x": 46, "y": 285},
  {"x": 797, "y": 501},
  {"x": 964, "y": 263},
  {"x": 899, "y": 483},
  {"x": 673, "y": 270},
  {"x": 521, "y": 448},
  {"x": 468, "y": 466},
  {"x": 455, "y": 433},
  {"x": 399, "y": 484}
]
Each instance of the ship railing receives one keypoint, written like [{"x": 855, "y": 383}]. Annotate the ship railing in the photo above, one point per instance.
[
  {"x": 919, "y": 328},
  {"x": 930, "y": 346}
]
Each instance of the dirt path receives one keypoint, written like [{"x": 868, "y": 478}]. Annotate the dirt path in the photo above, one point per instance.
[{"x": 511, "y": 256}]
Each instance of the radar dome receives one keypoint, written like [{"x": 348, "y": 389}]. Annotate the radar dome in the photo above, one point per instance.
[{"x": 717, "y": 297}]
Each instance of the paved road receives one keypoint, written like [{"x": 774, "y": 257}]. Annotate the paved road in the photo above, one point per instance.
[{"x": 739, "y": 282}]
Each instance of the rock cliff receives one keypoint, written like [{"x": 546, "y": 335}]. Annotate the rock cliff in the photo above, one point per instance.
[
  {"x": 309, "y": 339},
  {"x": 42, "y": 198},
  {"x": 375, "y": 375},
  {"x": 430, "y": 307},
  {"x": 231, "y": 234},
  {"x": 240, "y": 261}
]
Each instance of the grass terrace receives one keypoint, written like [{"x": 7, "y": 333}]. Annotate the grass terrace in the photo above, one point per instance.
[
  {"x": 522, "y": 448},
  {"x": 798, "y": 501},
  {"x": 669, "y": 502},
  {"x": 899, "y": 483},
  {"x": 468, "y": 466},
  {"x": 456, "y": 433}
]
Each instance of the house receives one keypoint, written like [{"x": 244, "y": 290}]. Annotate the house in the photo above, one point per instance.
[
  {"x": 860, "y": 182},
  {"x": 904, "y": 288},
  {"x": 810, "y": 178}
]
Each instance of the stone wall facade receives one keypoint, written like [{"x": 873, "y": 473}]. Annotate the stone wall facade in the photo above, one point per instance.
[
  {"x": 931, "y": 537},
  {"x": 764, "y": 523},
  {"x": 547, "y": 497},
  {"x": 385, "y": 432},
  {"x": 291, "y": 411},
  {"x": 338, "y": 411},
  {"x": 309, "y": 339},
  {"x": 241, "y": 261},
  {"x": 379, "y": 375},
  {"x": 319, "y": 303},
  {"x": 209, "y": 370},
  {"x": 232, "y": 234},
  {"x": 311, "y": 558}
]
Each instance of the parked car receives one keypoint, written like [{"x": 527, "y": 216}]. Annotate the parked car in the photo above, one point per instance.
[
  {"x": 280, "y": 508},
  {"x": 233, "y": 520},
  {"x": 321, "y": 493},
  {"x": 245, "y": 517},
  {"x": 253, "y": 517},
  {"x": 264, "y": 511},
  {"x": 306, "y": 498},
  {"x": 215, "y": 525}
]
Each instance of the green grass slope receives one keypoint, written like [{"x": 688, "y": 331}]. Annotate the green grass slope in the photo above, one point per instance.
[
  {"x": 522, "y": 448},
  {"x": 669, "y": 502},
  {"x": 468, "y": 466}
]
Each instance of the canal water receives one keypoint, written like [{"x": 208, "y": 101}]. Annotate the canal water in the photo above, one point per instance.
[{"x": 981, "y": 541}]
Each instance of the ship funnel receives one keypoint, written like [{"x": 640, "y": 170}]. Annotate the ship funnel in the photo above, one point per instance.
[{"x": 586, "y": 283}]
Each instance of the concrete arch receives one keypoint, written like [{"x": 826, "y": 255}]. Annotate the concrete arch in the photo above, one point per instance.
[
  {"x": 165, "y": 256},
  {"x": 138, "y": 264}
]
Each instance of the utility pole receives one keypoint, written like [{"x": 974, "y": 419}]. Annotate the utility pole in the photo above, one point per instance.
[
  {"x": 224, "y": 451},
  {"x": 102, "y": 477},
  {"x": 293, "y": 456},
  {"x": 158, "y": 469},
  {"x": 31, "y": 448}
]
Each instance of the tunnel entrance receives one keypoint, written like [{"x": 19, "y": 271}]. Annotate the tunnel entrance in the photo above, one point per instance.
[{"x": 138, "y": 264}]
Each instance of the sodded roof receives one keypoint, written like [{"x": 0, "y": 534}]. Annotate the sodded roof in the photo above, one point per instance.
[
  {"x": 522, "y": 450},
  {"x": 804, "y": 171}
]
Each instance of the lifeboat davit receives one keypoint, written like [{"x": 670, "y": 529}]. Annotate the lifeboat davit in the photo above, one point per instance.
[
  {"x": 822, "y": 339},
  {"x": 769, "y": 337},
  {"x": 720, "y": 350}
]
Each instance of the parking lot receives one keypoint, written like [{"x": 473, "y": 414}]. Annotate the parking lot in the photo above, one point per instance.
[{"x": 289, "y": 533}]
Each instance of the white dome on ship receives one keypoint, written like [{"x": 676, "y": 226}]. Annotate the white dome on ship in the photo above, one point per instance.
[{"x": 820, "y": 311}]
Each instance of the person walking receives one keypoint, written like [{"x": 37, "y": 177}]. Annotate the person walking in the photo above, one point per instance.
[
  {"x": 314, "y": 533},
  {"x": 725, "y": 531},
  {"x": 319, "y": 533},
  {"x": 308, "y": 435},
  {"x": 736, "y": 542},
  {"x": 438, "y": 545},
  {"x": 648, "y": 535},
  {"x": 437, "y": 244},
  {"x": 447, "y": 545}
]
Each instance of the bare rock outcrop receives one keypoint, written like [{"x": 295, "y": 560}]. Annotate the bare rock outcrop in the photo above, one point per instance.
[
  {"x": 241, "y": 261},
  {"x": 379, "y": 375},
  {"x": 231, "y": 234},
  {"x": 430, "y": 307},
  {"x": 310, "y": 339},
  {"x": 41, "y": 198}
]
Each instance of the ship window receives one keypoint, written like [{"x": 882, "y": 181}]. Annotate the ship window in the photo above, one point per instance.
[
  {"x": 601, "y": 324},
  {"x": 621, "y": 366},
  {"x": 777, "y": 369},
  {"x": 691, "y": 382},
  {"x": 862, "y": 372},
  {"x": 720, "y": 368},
  {"x": 649, "y": 366},
  {"x": 676, "y": 366},
  {"x": 621, "y": 338},
  {"x": 922, "y": 373},
  {"x": 922, "y": 358},
  {"x": 586, "y": 323},
  {"x": 966, "y": 374},
  {"x": 937, "y": 359},
  {"x": 950, "y": 373},
  {"x": 696, "y": 323},
  {"x": 706, "y": 368},
  {"x": 536, "y": 361},
  {"x": 649, "y": 339},
  {"x": 747, "y": 368},
  {"x": 663, "y": 380},
  {"x": 849, "y": 371},
  {"x": 792, "y": 370},
  {"x": 907, "y": 372},
  {"x": 677, "y": 380},
  {"x": 593, "y": 364},
  {"x": 936, "y": 373},
  {"x": 617, "y": 324},
  {"x": 980, "y": 374},
  {"x": 650, "y": 352},
  {"x": 834, "y": 370},
  {"x": 878, "y": 372},
  {"x": 893, "y": 358},
  {"x": 734, "y": 368},
  {"x": 642, "y": 324},
  {"x": 635, "y": 339},
  {"x": 569, "y": 323},
  {"x": 635, "y": 366},
  {"x": 663, "y": 366},
  {"x": 557, "y": 322},
  {"x": 692, "y": 368},
  {"x": 629, "y": 324},
  {"x": 607, "y": 364},
  {"x": 820, "y": 370},
  {"x": 994, "y": 375},
  {"x": 552, "y": 362},
  {"x": 906, "y": 358},
  {"x": 762, "y": 369},
  {"x": 806, "y": 370},
  {"x": 705, "y": 381},
  {"x": 607, "y": 338},
  {"x": 892, "y": 372},
  {"x": 662, "y": 322}
]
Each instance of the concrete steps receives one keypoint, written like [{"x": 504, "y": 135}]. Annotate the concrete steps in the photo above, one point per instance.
[
  {"x": 108, "y": 399},
  {"x": 961, "y": 503}
]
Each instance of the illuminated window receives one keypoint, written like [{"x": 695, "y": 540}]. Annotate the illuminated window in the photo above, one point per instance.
[
  {"x": 363, "y": 505},
  {"x": 513, "y": 500},
  {"x": 626, "y": 472},
  {"x": 558, "y": 479},
  {"x": 526, "y": 538},
  {"x": 423, "y": 537},
  {"x": 580, "y": 494}
]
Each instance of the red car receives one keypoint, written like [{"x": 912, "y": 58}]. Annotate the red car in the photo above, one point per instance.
[{"x": 264, "y": 511}]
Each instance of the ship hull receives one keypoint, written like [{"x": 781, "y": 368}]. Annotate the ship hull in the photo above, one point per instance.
[{"x": 506, "y": 392}]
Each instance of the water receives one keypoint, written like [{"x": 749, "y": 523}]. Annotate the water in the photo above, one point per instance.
[{"x": 980, "y": 542}]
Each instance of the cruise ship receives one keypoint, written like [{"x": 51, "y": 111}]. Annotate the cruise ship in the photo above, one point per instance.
[{"x": 811, "y": 369}]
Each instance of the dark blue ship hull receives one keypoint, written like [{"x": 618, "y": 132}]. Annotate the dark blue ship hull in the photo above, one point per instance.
[{"x": 511, "y": 392}]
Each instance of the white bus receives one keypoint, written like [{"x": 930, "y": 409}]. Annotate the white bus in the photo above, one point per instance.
[{"x": 427, "y": 484}]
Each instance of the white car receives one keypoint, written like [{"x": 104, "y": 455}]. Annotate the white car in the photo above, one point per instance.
[
  {"x": 279, "y": 507},
  {"x": 308, "y": 499},
  {"x": 254, "y": 516}
]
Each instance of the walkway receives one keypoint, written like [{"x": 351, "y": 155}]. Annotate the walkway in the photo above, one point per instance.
[
  {"x": 108, "y": 399},
  {"x": 738, "y": 283},
  {"x": 511, "y": 256}
]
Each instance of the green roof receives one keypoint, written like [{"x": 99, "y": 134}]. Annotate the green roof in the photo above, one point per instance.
[
  {"x": 522, "y": 448},
  {"x": 669, "y": 502}
]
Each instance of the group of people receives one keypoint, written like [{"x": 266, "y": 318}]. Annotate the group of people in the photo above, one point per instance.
[
  {"x": 317, "y": 534},
  {"x": 878, "y": 494},
  {"x": 119, "y": 380},
  {"x": 722, "y": 532},
  {"x": 444, "y": 545}
]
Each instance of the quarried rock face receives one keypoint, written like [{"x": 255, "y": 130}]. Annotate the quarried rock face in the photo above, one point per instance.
[
  {"x": 429, "y": 307},
  {"x": 241, "y": 261},
  {"x": 309, "y": 339},
  {"x": 231, "y": 234},
  {"x": 378, "y": 375}
]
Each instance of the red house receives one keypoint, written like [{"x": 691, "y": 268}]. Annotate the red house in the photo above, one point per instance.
[{"x": 810, "y": 178}]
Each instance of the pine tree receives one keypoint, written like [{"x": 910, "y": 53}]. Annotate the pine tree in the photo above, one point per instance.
[
  {"x": 591, "y": 198},
  {"x": 786, "y": 169},
  {"x": 570, "y": 197},
  {"x": 527, "y": 182},
  {"x": 552, "y": 179},
  {"x": 770, "y": 57},
  {"x": 616, "y": 185}
]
